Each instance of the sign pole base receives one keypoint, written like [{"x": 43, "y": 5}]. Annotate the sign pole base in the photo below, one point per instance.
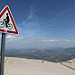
[{"x": 2, "y": 52}]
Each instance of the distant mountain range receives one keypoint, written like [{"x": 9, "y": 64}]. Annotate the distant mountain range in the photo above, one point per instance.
[{"x": 54, "y": 55}]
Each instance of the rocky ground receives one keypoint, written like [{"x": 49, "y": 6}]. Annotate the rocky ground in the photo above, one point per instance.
[{"x": 70, "y": 64}]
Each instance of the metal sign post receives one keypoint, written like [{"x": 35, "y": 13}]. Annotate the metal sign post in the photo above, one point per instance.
[{"x": 2, "y": 52}]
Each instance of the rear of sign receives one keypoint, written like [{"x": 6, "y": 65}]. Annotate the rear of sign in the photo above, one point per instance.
[{"x": 7, "y": 24}]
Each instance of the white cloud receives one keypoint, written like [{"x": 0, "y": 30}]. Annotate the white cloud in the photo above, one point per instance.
[
  {"x": 67, "y": 40},
  {"x": 40, "y": 40},
  {"x": 50, "y": 40},
  {"x": 10, "y": 37},
  {"x": 20, "y": 38},
  {"x": 32, "y": 12},
  {"x": 37, "y": 42}
]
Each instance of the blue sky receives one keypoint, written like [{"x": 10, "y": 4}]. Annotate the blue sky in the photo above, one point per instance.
[{"x": 42, "y": 23}]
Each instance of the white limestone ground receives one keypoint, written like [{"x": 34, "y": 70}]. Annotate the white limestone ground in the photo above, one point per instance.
[{"x": 21, "y": 66}]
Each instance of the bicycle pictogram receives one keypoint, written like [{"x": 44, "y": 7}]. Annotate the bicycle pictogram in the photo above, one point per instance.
[{"x": 5, "y": 23}]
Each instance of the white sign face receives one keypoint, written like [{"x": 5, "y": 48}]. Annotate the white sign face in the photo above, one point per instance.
[{"x": 7, "y": 23}]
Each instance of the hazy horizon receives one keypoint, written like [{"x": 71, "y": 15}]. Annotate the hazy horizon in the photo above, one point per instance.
[{"x": 41, "y": 24}]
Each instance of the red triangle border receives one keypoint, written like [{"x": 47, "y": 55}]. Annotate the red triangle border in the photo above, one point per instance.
[{"x": 7, "y": 31}]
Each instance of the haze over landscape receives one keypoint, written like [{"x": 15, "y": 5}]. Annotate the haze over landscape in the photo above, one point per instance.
[{"x": 42, "y": 23}]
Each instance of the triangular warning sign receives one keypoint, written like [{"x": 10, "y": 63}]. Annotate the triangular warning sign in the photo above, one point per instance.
[{"x": 7, "y": 24}]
